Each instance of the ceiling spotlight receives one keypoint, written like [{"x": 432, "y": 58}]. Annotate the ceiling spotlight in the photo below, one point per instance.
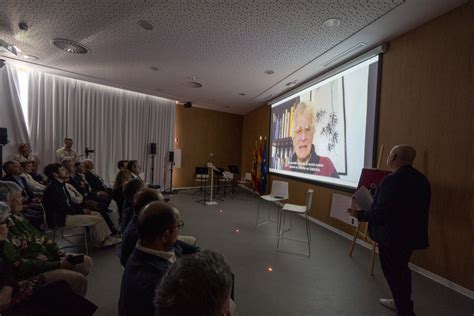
[
  {"x": 269, "y": 269},
  {"x": 154, "y": 68},
  {"x": 291, "y": 83},
  {"x": 242, "y": 94},
  {"x": 146, "y": 25},
  {"x": 188, "y": 105},
  {"x": 194, "y": 84},
  {"x": 69, "y": 46},
  {"x": 331, "y": 22},
  {"x": 269, "y": 72},
  {"x": 30, "y": 57}
]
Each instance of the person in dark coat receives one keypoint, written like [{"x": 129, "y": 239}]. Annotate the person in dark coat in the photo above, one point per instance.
[
  {"x": 158, "y": 228},
  {"x": 398, "y": 222}
]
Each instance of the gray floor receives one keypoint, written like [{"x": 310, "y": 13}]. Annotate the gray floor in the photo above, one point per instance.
[{"x": 329, "y": 283}]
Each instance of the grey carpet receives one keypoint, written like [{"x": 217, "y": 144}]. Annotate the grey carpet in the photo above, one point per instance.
[{"x": 328, "y": 283}]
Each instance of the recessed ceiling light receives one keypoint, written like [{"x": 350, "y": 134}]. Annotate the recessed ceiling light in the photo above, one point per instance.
[
  {"x": 30, "y": 57},
  {"x": 146, "y": 25},
  {"x": 291, "y": 83},
  {"x": 69, "y": 46},
  {"x": 154, "y": 68},
  {"x": 242, "y": 94},
  {"x": 194, "y": 84},
  {"x": 269, "y": 72},
  {"x": 23, "y": 26},
  {"x": 331, "y": 22}
]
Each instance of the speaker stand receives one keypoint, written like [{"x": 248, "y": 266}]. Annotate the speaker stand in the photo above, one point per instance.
[
  {"x": 171, "y": 191},
  {"x": 152, "y": 168}
]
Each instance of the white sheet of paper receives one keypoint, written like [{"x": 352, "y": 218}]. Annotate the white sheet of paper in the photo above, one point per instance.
[
  {"x": 362, "y": 199},
  {"x": 339, "y": 205}
]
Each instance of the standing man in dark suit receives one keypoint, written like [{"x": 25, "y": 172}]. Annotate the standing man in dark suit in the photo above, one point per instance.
[{"x": 398, "y": 222}]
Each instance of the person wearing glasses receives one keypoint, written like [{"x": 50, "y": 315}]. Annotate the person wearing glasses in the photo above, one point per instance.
[
  {"x": 304, "y": 158},
  {"x": 185, "y": 244},
  {"x": 158, "y": 227}
]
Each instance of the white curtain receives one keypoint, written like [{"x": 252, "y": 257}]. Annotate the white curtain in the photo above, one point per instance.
[
  {"x": 117, "y": 124},
  {"x": 11, "y": 114}
]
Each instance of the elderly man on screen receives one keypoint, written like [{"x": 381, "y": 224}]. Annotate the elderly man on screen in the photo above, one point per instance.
[
  {"x": 304, "y": 158},
  {"x": 398, "y": 222}
]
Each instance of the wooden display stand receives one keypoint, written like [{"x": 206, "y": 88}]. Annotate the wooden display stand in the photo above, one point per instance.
[{"x": 368, "y": 178}]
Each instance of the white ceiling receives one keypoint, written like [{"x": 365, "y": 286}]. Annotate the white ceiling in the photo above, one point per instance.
[{"x": 226, "y": 45}]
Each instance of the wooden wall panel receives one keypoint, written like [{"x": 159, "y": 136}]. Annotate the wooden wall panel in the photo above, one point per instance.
[
  {"x": 427, "y": 101},
  {"x": 201, "y": 132}
]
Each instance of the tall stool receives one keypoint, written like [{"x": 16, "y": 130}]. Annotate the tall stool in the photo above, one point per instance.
[{"x": 296, "y": 209}]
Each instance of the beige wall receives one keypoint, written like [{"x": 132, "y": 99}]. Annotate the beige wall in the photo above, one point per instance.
[
  {"x": 426, "y": 100},
  {"x": 201, "y": 132}
]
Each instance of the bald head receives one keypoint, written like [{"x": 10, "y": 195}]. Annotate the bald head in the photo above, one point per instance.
[
  {"x": 156, "y": 219},
  {"x": 401, "y": 155}
]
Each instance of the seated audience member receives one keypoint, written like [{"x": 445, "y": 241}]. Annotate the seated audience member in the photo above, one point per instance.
[
  {"x": 35, "y": 174},
  {"x": 61, "y": 212},
  {"x": 34, "y": 297},
  {"x": 25, "y": 154},
  {"x": 32, "y": 208},
  {"x": 123, "y": 176},
  {"x": 66, "y": 152},
  {"x": 129, "y": 191},
  {"x": 134, "y": 168},
  {"x": 198, "y": 284},
  {"x": 130, "y": 235},
  {"x": 31, "y": 253},
  {"x": 122, "y": 164},
  {"x": 13, "y": 172},
  {"x": 97, "y": 183},
  {"x": 32, "y": 184},
  {"x": 158, "y": 228},
  {"x": 79, "y": 177},
  {"x": 92, "y": 201}
]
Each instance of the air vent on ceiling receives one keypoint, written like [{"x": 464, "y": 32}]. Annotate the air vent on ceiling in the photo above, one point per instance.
[
  {"x": 194, "y": 84},
  {"x": 69, "y": 46}
]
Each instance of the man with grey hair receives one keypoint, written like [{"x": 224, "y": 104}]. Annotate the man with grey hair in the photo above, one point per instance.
[{"x": 398, "y": 222}]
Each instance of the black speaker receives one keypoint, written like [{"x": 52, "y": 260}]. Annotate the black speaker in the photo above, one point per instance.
[
  {"x": 152, "y": 148},
  {"x": 188, "y": 105},
  {"x": 3, "y": 136},
  {"x": 171, "y": 156}
]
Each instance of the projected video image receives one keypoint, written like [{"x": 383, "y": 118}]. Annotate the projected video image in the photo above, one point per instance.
[{"x": 325, "y": 133}]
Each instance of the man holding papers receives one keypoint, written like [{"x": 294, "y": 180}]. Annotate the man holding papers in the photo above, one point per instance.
[{"x": 398, "y": 222}]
